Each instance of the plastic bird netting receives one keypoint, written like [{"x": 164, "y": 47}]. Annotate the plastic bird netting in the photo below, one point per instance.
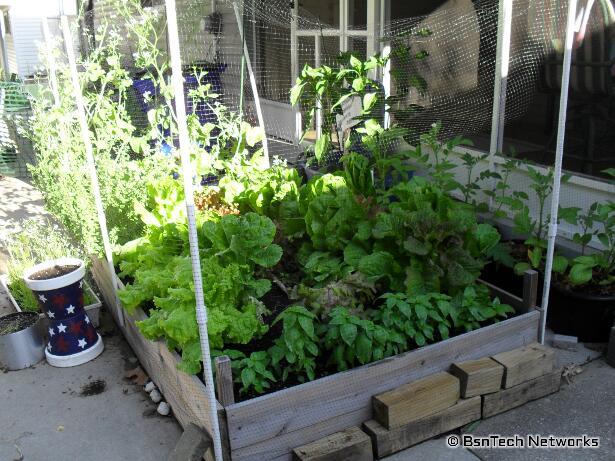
[
  {"x": 442, "y": 64},
  {"x": 418, "y": 67},
  {"x": 15, "y": 149}
]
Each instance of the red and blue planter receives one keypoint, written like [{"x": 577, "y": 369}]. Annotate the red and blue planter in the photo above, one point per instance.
[{"x": 72, "y": 338}]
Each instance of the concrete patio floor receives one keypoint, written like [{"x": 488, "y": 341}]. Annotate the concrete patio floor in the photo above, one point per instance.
[
  {"x": 48, "y": 413},
  {"x": 45, "y": 415}
]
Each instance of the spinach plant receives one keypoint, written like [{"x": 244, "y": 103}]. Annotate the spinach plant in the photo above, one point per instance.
[
  {"x": 353, "y": 340},
  {"x": 416, "y": 318},
  {"x": 252, "y": 372},
  {"x": 296, "y": 350}
]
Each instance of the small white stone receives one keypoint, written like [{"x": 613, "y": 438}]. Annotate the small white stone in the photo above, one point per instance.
[
  {"x": 164, "y": 409},
  {"x": 150, "y": 386},
  {"x": 155, "y": 396}
]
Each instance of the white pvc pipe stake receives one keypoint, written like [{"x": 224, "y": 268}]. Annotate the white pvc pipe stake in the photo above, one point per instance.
[
  {"x": 502, "y": 60},
  {"x": 501, "y": 75},
  {"x": 51, "y": 62},
  {"x": 559, "y": 154},
  {"x": 386, "y": 83},
  {"x": 89, "y": 156},
  {"x": 184, "y": 150}
]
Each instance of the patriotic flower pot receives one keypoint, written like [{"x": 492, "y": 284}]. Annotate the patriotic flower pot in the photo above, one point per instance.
[{"x": 73, "y": 340}]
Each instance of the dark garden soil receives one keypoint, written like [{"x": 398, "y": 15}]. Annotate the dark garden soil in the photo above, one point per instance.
[
  {"x": 17, "y": 321},
  {"x": 589, "y": 289},
  {"x": 94, "y": 387},
  {"x": 54, "y": 272}
]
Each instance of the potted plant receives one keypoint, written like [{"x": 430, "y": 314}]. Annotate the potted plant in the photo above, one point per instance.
[
  {"x": 529, "y": 252},
  {"x": 584, "y": 287},
  {"x": 344, "y": 96},
  {"x": 39, "y": 241},
  {"x": 21, "y": 340},
  {"x": 58, "y": 287}
]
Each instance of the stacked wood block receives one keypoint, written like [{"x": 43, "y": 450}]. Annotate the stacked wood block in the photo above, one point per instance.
[
  {"x": 419, "y": 411},
  {"x": 478, "y": 377},
  {"x": 529, "y": 374},
  {"x": 349, "y": 445}
]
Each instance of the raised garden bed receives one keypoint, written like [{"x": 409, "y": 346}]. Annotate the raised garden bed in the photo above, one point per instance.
[
  {"x": 93, "y": 309},
  {"x": 270, "y": 426}
]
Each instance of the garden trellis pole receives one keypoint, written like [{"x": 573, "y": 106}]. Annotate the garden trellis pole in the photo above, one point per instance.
[
  {"x": 386, "y": 71},
  {"x": 502, "y": 61},
  {"x": 559, "y": 154},
  {"x": 257, "y": 99},
  {"x": 51, "y": 62},
  {"x": 184, "y": 150},
  {"x": 89, "y": 156}
]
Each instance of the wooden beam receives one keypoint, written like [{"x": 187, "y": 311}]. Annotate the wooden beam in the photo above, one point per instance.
[
  {"x": 504, "y": 296},
  {"x": 525, "y": 363},
  {"x": 387, "y": 442},
  {"x": 416, "y": 400},
  {"x": 530, "y": 290},
  {"x": 349, "y": 445},
  {"x": 224, "y": 380},
  {"x": 477, "y": 377},
  {"x": 515, "y": 396}
]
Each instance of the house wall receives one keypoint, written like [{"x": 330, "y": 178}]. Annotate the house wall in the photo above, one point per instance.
[
  {"x": 25, "y": 19},
  {"x": 11, "y": 55}
]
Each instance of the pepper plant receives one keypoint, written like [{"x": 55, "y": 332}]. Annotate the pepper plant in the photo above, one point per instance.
[{"x": 326, "y": 88}]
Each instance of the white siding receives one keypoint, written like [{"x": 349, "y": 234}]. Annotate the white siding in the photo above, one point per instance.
[
  {"x": 27, "y": 37},
  {"x": 25, "y": 18},
  {"x": 10, "y": 54}
]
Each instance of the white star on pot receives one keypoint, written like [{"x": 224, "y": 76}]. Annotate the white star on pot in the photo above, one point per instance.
[
  {"x": 87, "y": 320},
  {"x": 51, "y": 332},
  {"x": 81, "y": 284},
  {"x": 49, "y": 346},
  {"x": 70, "y": 309},
  {"x": 62, "y": 328},
  {"x": 50, "y": 314},
  {"x": 42, "y": 298},
  {"x": 82, "y": 343}
]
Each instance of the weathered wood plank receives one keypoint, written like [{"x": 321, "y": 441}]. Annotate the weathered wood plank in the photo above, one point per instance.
[
  {"x": 416, "y": 400},
  {"x": 525, "y": 363},
  {"x": 191, "y": 445},
  {"x": 261, "y": 425},
  {"x": 513, "y": 397},
  {"x": 530, "y": 292},
  {"x": 387, "y": 442},
  {"x": 224, "y": 380},
  {"x": 504, "y": 296},
  {"x": 530, "y": 289},
  {"x": 351, "y": 444},
  {"x": 280, "y": 448},
  {"x": 477, "y": 377}
]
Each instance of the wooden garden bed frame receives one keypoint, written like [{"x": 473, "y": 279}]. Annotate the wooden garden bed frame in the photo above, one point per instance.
[{"x": 270, "y": 426}]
